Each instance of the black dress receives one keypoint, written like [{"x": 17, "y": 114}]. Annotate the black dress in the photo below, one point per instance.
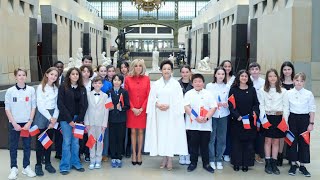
[
  {"x": 287, "y": 86},
  {"x": 242, "y": 140}
]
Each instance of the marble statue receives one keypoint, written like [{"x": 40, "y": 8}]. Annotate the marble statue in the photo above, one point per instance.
[
  {"x": 115, "y": 58},
  {"x": 155, "y": 60},
  {"x": 172, "y": 58},
  {"x": 203, "y": 65},
  {"x": 79, "y": 54},
  {"x": 105, "y": 60}
]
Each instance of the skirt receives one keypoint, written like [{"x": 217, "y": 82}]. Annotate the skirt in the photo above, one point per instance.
[{"x": 273, "y": 131}]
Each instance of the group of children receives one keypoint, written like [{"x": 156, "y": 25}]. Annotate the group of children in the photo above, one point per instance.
[{"x": 222, "y": 120}]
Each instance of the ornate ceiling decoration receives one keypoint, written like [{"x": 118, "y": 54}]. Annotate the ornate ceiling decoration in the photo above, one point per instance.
[{"x": 148, "y": 5}]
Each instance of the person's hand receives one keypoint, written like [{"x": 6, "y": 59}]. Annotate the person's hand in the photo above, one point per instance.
[
  {"x": 118, "y": 106},
  {"x": 199, "y": 119},
  {"x": 53, "y": 120},
  {"x": 16, "y": 126},
  {"x": 72, "y": 124},
  {"x": 310, "y": 128},
  {"x": 88, "y": 127},
  {"x": 50, "y": 126},
  {"x": 27, "y": 125},
  {"x": 135, "y": 111},
  {"x": 225, "y": 104},
  {"x": 103, "y": 129},
  {"x": 240, "y": 118},
  {"x": 140, "y": 110}
]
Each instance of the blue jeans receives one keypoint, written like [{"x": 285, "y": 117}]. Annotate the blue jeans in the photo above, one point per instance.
[
  {"x": 70, "y": 149},
  {"x": 227, "y": 151},
  {"x": 106, "y": 142},
  {"x": 217, "y": 144},
  {"x": 14, "y": 141}
]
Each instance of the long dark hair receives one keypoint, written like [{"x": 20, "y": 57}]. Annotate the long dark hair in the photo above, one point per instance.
[
  {"x": 284, "y": 64},
  {"x": 67, "y": 81},
  {"x": 236, "y": 82},
  {"x": 267, "y": 83},
  {"x": 215, "y": 72},
  {"x": 222, "y": 64}
]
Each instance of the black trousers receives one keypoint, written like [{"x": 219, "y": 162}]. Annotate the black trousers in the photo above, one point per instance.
[
  {"x": 117, "y": 132},
  {"x": 199, "y": 139},
  {"x": 83, "y": 148},
  {"x": 242, "y": 152},
  {"x": 40, "y": 151},
  {"x": 58, "y": 142},
  {"x": 299, "y": 150}
]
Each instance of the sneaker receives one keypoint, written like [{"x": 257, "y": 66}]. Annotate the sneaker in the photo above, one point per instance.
[
  {"x": 188, "y": 159},
  {"x": 119, "y": 163},
  {"x": 28, "y": 171},
  {"x": 13, "y": 173},
  {"x": 213, "y": 165},
  {"x": 226, "y": 158},
  {"x": 219, "y": 165},
  {"x": 292, "y": 170},
  {"x": 113, "y": 163},
  {"x": 91, "y": 166},
  {"x": 97, "y": 166},
  {"x": 258, "y": 159},
  {"x": 182, "y": 160},
  {"x": 38, "y": 170},
  {"x": 50, "y": 168},
  {"x": 303, "y": 170}
]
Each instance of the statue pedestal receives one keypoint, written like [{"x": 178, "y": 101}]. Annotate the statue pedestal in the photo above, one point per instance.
[
  {"x": 155, "y": 75},
  {"x": 208, "y": 75},
  {"x": 176, "y": 72}
]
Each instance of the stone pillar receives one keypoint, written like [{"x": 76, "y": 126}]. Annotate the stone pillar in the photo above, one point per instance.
[
  {"x": 86, "y": 39},
  {"x": 175, "y": 38}
]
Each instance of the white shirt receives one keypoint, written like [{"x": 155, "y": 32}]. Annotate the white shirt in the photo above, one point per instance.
[
  {"x": 231, "y": 80},
  {"x": 274, "y": 101},
  {"x": 47, "y": 100},
  {"x": 221, "y": 90},
  {"x": 88, "y": 86},
  {"x": 258, "y": 84},
  {"x": 301, "y": 102},
  {"x": 93, "y": 75},
  {"x": 97, "y": 97},
  {"x": 197, "y": 99}
]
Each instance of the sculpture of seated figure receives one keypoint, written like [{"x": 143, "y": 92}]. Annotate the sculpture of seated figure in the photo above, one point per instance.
[
  {"x": 115, "y": 58},
  {"x": 71, "y": 64},
  {"x": 203, "y": 65},
  {"x": 105, "y": 60},
  {"x": 172, "y": 59},
  {"x": 155, "y": 60}
]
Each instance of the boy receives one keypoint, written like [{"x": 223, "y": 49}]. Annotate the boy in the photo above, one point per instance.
[
  {"x": 96, "y": 121},
  {"x": 258, "y": 83},
  {"x": 87, "y": 60},
  {"x": 60, "y": 66},
  {"x": 20, "y": 107},
  {"x": 198, "y": 122}
]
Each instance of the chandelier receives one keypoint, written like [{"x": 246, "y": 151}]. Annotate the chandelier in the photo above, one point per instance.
[{"x": 147, "y": 5}]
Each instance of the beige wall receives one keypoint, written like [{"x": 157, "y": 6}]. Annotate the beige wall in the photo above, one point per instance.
[
  {"x": 213, "y": 28},
  {"x": 63, "y": 38},
  {"x": 77, "y": 29}
]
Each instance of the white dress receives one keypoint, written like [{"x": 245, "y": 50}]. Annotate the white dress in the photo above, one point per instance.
[{"x": 165, "y": 131}]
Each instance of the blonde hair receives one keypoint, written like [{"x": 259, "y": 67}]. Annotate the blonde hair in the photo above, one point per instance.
[
  {"x": 135, "y": 63},
  {"x": 15, "y": 72},
  {"x": 301, "y": 75}
]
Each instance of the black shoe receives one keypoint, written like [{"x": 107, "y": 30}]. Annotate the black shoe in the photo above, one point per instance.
[
  {"x": 268, "y": 167},
  {"x": 38, "y": 170},
  {"x": 191, "y": 167},
  {"x": 134, "y": 163},
  {"x": 128, "y": 155},
  {"x": 208, "y": 168},
  {"x": 292, "y": 170},
  {"x": 280, "y": 159},
  {"x": 58, "y": 157},
  {"x": 303, "y": 170},
  {"x": 87, "y": 159},
  {"x": 245, "y": 168},
  {"x": 50, "y": 168},
  {"x": 236, "y": 168},
  {"x": 139, "y": 163},
  {"x": 64, "y": 172},
  {"x": 275, "y": 169},
  {"x": 80, "y": 170}
]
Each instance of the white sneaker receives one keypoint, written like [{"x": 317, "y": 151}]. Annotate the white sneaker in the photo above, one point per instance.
[
  {"x": 28, "y": 171},
  {"x": 188, "y": 159},
  {"x": 13, "y": 173},
  {"x": 226, "y": 158},
  {"x": 97, "y": 166},
  {"x": 213, "y": 165},
  {"x": 219, "y": 165},
  {"x": 91, "y": 166},
  {"x": 182, "y": 160}
]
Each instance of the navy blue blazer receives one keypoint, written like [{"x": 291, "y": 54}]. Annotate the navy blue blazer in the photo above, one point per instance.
[{"x": 116, "y": 116}]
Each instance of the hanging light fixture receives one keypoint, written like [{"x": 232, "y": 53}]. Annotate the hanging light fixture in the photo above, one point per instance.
[{"x": 148, "y": 5}]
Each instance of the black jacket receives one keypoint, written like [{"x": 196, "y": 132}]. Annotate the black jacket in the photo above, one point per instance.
[
  {"x": 184, "y": 90},
  {"x": 116, "y": 116},
  {"x": 66, "y": 104}
]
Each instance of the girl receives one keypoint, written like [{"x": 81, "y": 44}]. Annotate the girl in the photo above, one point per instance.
[
  {"x": 186, "y": 85},
  {"x": 111, "y": 71},
  {"x": 220, "y": 91},
  {"x": 72, "y": 103},
  {"x": 274, "y": 106},
  {"x": 102, "y": 72},
  {"x": 46, "y": 116},
  {"x": 246, "y": 103},
  {"x": 117, "y": 120},
  {"x": 302, "y": 110}
]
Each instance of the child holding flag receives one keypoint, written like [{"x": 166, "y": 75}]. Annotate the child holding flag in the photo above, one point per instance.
[
  {"x": 220, "y": 91},
  {"x": 244, "y": 106},
  {"x": 273, "y": 108},
  {"x": 20, "y": 107},
  {"x": 46, "y": 116},
  {"x": 117, "y": 120},
  {"x": 96, "y": 121},
  {"x": 199, "y": 106},
  {"x": 302, "y": 109},
  {"x": 72, "y": 103}
]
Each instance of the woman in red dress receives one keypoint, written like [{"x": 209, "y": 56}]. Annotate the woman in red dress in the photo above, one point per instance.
[{"x": 138, "y": 86}]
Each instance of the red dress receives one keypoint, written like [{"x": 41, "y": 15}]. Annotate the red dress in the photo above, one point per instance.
[{"x": 138, "y": 88}]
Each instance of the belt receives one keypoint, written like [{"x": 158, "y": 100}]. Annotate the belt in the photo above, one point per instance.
[{"x": 276, "y": 113}]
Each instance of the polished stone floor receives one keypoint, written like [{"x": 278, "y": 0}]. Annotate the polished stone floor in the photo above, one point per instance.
[{"x": 150, "y": 168}]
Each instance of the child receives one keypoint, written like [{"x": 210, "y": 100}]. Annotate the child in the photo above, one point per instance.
[
  {"x": 274, "y": 106},
  {"x": 111, "y": 71},
  {"x": 72, "y": 103},
  {"x": 20, "y": 107},
  {"x": 241, "y": 111},
  {"x": 258, "y": 83},
  {"x": 87, "y": 61},
  {"x": 117, "y": 120},
  {"x": 102, "y": 73},
  {"x": 59, "y": 65},
  {"x": 96, "y": 120},
  {"x": 220, "y": 91},
  {"x": 186, "y": 85},
  {"x": 302, "y": 110},
  {"x": 46, "y": 116},
  {"x": 199, "y": 129}
]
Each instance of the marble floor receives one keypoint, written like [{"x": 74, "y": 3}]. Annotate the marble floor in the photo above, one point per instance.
[{"x": 150, "y": 168}]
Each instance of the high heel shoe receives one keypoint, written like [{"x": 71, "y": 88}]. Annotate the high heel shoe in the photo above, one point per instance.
[
  {"x": 163, "y": 163},
  {"x": 139, "y": 163},
  {"x": 134, "y": 160},
  {"x": 134, "y": 163}
]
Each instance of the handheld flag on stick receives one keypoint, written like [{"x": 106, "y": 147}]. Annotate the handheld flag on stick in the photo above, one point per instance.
[
  {"x": 306, "y": 137},
  {"x": 265, "y": 123},
  {"x": 258, "y": 124},
  {"x": 100, "y": 139},
  {"x": 255, "y": 117},
  {"x": 246, "y": 122},
  {"x": 24, "y": 133},
  {"x": 193, "y": 115},
  {"x": 109, "y": 104},
  {"x": 283, "y": 125},
  {"x": 203, "y": 111},
  {"x": 45, "y": 140},
  {"x": 289, "y": 138},
  {"x": 78, "y": 131},
  {"x": 232, "y": 100},
  {"x": 34, "y": 130},
  {"x": 91, "y": 142}
]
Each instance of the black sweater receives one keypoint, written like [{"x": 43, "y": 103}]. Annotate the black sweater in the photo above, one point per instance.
[{"x": 116, "y": 116}]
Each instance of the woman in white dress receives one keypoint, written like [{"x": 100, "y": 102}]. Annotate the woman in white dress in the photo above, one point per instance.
[{"x": 165, "y": 132}]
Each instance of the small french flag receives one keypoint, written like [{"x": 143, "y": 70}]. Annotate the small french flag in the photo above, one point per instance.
[
  {"x": 265, "y": 123},
  {"x": 45, "y": 140},
  {"x": 193, "y": 115},
  {"x": 78, "y": 131},
  {"x": 289, "y": 138},
  {"x": 109, "y": 104},
  {"x": 219, "y": 98},
  {"x": 246, "y": 122},
  {"x": 34, "y": 130},
  {"x": 100, "y": 139},
  {"x": 258, "y": 124}
]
